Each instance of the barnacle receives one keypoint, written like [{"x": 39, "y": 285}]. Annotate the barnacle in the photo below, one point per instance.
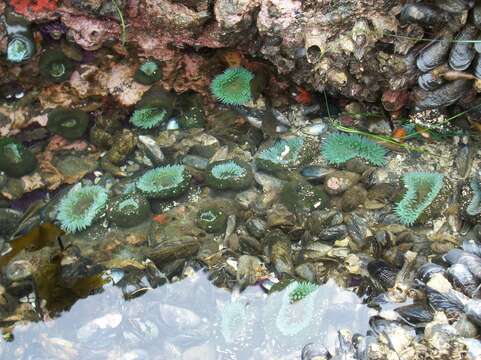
[
  {"x": 55, "y": 66},
  {"x": 20, "y": 48},
  {"x": 284, "y": 153},
  {"x": 229, "y": 174},
  {"x": 421, "y": 189},
  {"x": 148, "y": 118},
  {"x": 164, "y": 182},
  {"x": 71, "y": 124},
  {"x": 232, "y": 87},
  {"x": 339, "y": 148},
  {"x": 128, "y": 210},
  {"x": 211, "y": 220},
  {"x": 302, "y": 290},
  {"x": 15, "y": 159},
  {"x": 474, "y": 206},
  {"x": 81, "y": 207},
  {"x": 148, "y": 72}
]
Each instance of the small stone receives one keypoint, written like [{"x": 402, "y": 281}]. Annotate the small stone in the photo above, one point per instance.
[
  {"x": 353, "y": 198},
  {"x": 18, "y": 270},
  {"x": 256, "y": 227},
  {"x": 339, "y": 181}
]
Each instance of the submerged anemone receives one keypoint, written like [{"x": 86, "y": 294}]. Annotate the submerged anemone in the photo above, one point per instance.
[
  {"x": 15, "y": 159},
  {"x": 55, "y": 66},
  {"x": 234, "y": 322},
  {"x": 148, "y": 72},
  {"x": 232, "y": 87},
  {"x": 71, "y": 124},
  {"x": 81, "y": 207},
  {"x": 474, "y": 206},
  {"x": 128, "y": 210},
  {"x": 421, "y": 190},
  {"x": 339, "y": 148},
  {"x": 284, "y": 153},
  {"x": 148, "y": 118},
  {"x": 20, "y": 48},
  {"x": 302, "y": 289},
  {"x": 302, "y": 197},
  {"x": 165, "y": 182},
  {"x": 212, "y": 220},
  {"x": 229, "y": 175}
]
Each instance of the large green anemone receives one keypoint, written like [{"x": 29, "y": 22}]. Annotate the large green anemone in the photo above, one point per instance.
[
  {"x": 81, "y": 207},
  {"x": 421, "y": 190},
  {"x": 148, "y": 72},
  {"x": 15, "y": 159},
  {"x": 20, "y": 48},
  {"x": 55, "y": 66},
  {"x": 148, "y": 118},
  {"x": 128, "y": 210},
  {"x": 232, "y": 87},
  {"x": 283, "y": 154},
  {"x": 153, "y": 109},
  {"x": 165, "y": 182},
  {"x": 229, "y": 175},
  {"x": 339, "y": 148},
  {"x": 71, "y": 124}
]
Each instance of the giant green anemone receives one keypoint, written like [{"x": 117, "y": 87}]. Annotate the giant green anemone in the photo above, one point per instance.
[
  {"x": 15, "y": 159},
  {"x": 81, "y": 207},
  {"x": 55, "y": 66},
  {"x": 283, "y": 154},
  {"x": 232, "y": 87},
  {"x": 338, "y": 148},
  {"x": 165, "y": 182},
  {"x": 20, "y": 47},
  {"x": 71, "y": 124},
  {"x": 148, "y": 118},
  {"x": 229, "y": 175},
  {"x": 153, "y": 109},
  {"x": 148, "y": 72},
  {"x": 421, "y": 190}
]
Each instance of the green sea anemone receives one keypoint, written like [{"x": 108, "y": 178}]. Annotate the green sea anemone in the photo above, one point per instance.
[
  {"x": 302, "y": 197},
  {"x": 283, "y": 154},
  {"x": 128, "y": 210},
  {"x": 233, "y": 86},
  {"x": 421, "y": 190},
  {"x": 148, "y": 72},
  {"x": 339, "y": 148},
  {"x": 20, "y": 48},
  {"x": 229, "y": 175},
  {"x": 71, "y": 124},
  {"x": 148, "y": 118},
  {"x": 212, "y": 220},
  {"x": 234, "y": 322},
  {"x": 15, "y": 159},
  {"x": 165, "y": 182},
  {"x": 302, "y": 289},
  {"x": 55, "y": 66},
  {"x": 474, "y": 206},
  {"x": 81, "y": 207}
]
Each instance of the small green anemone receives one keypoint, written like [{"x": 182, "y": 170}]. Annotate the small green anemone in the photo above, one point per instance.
[
  {"x": 81, "y": 207},
  {"x": 165, "y": 182},
  {"x": 302, "y": 290},
  {"x": 232, "y": 87},
  {"x": 474, "y": 206},
  {"x": 212, "y": 220},
  {"x": 421, "y": 190},
  {"x": 284, "y": 153},
  {"x": 148, "y": 118},
  {"x": 71, "y": 124},
  {"x": 128, "y": 210},
  {"x": 55, "y": 66},
  {"x": 15, "y": 159},
  {"x": 20, "y": 48},
  {"x": 148, "y": 72},
  {"x": 339, "y": 148},
  {"x": 229, "y": 175}
]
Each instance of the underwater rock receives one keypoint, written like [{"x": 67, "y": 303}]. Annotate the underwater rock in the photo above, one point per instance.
[
  {"x": 338, "y": 182},
  {"x": 353, "y": 198}
]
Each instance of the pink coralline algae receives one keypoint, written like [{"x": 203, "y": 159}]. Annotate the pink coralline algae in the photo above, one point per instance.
[{"x": 25, "y": 7}]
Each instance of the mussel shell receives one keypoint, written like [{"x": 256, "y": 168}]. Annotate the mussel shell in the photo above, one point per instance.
[
  {"x": 445, "y": 95},
  {"x": 420, "y": 13},
  {"x": 444, "y": 302},
  {"x": 463, "y": 279},
  {"x": 473, "y": 311},
  {"x": 434, "y": 54},
  {"x": 477, "y": 64},
  {"x": 455, "y": 6},
  {"x": 472, "y": 262},
  {"x": 383, "y": 273},
  {"x": 429, "y": 82},
  {"x": 477, "y": 47},
  {"x": 426, "y": 271},
  {"x": 415, "y": 313},
  {"x": 462, "y": 53},
  {"x": 477, "y": 16},
  {"x": 472, "y": 246}
]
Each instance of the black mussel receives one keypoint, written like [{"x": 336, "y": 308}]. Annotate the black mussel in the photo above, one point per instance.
[
  {"x": 423, "y": 14},
  {"x": 428, "y": 81},
  {"x": 477, "y": 64},
  {"x": 380, "y": 242},
  {"x": 426, "y": 271},
  {"x": 477, "y": 16},
  {"x": 434, "y": 54},
  {"x": 455, "y": 6},
  {"x": 445, "y": 95},
  {"x": 472, "y": 246},
  {"x": 463, "y": 279},
  {"x": 462, "y": 53},
  {"x": 414, "y": 313},
  {"x": 315, "y": 351},
  {"x": 472, "y": 262},
  {"x": 444, "y": 302},
  {"x": 473, "y": 311},
  {"x": 477, "y": 47},
  {"x": 382, "y": 273}
]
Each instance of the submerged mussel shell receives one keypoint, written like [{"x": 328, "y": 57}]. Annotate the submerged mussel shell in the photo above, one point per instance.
[
  {"x": 444, "y": 302},
  {"x": 471, "y": 261},
  {"x": 69, "y": 123},
  {"x": 15, "y": 159},
  {"x": 383, "y": 273},
  {"x": 434, "y": 54},
  {"x": 429, "y": 81},
  {"x": 55, "y": 66},
  {"x": 415, "y": 313},
  {"x": 463, "y": 279},
  {"x": 473, "y": 311},
  {"x": 444, "y": 96},
  {"x": 462, "y": 53},
  {"x": 455, "y": 6},
  {"x": 426, "y": 271},
  {"x": 477, "y": 65},
  {"x": 423, "y": 14}
]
